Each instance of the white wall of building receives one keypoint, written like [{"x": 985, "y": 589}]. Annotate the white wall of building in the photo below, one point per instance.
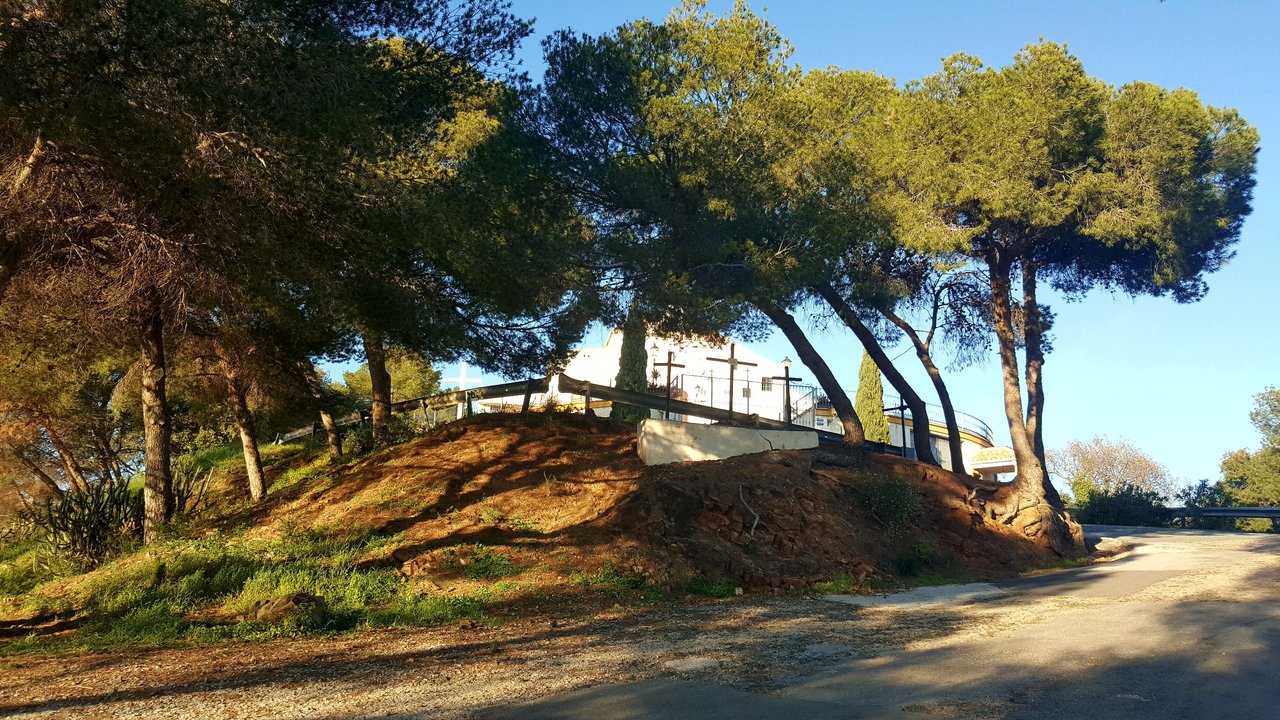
[{"x": 704, "y": 381}]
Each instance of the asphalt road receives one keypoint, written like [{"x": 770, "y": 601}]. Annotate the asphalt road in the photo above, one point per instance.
[{"x": 1185, "y": 625}]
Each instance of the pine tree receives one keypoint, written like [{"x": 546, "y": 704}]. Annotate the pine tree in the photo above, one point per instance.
[
  {"x": 631, "y": 367},
  {"x": 869, "y": 402}
]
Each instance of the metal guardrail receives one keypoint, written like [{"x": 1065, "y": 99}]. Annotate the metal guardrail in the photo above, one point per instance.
[
  {"x": 432, "y": 402},
  {"x": 937, "y": 417},
  {"x": 681, "y": 407},
  {"x": 1263, "y": 513},
  {"x": 529, "y": 387},
  {"x": 769, "y": 404}
]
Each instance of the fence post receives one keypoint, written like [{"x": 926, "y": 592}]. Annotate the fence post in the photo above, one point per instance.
[
  {"x": 586, "y": 406},
  {"x": 528, "y": 395}
]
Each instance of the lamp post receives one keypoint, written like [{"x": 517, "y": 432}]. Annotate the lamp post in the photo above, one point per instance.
[
  {"x": 786, "y": 388},
  {"x": 653, "y": 374}
]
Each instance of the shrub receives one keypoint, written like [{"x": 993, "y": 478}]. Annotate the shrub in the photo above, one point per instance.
[
  {"x": 400, "y": 429},
  {"x": 358, "y": 441},
  {"x": 1126, "y": 505},
  {"x": 1205, "y": 494},
  {"x": 890, "y": 500},
  {"x": 190, "y": 479},
  {"x": 609, "y": 579},
  {"x": 916, "y": 559},
  {"x": 89, "y": 526},
  {"x": 712, "y": 588}
]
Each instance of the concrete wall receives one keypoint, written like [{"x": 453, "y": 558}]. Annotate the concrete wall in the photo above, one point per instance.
[{"x": 668, "y": 441}]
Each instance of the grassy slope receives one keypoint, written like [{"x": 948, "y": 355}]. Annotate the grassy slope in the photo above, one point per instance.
[{"x": 478, "y": 519}]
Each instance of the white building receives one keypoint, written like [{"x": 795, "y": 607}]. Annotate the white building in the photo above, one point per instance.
[
  {"x": 703, "y": 380},
  {"x": 757, "y": 388}
]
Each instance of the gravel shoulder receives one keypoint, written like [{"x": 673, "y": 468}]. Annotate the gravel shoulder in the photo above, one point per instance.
[{"x": 769, "y": 644}]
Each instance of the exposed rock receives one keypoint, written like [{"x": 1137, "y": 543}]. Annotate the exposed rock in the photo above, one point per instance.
[{"x": 311, "y": 607}]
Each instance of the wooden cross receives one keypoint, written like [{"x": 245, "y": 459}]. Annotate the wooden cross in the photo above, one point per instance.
[
  {"x": 462, "y": 380},
  {"x": 786, "y": 388},
  {"x": 670, "y": 363},
  {"x": 733, "y": 362}
]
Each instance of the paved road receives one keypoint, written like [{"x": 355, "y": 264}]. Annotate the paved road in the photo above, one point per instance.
[{"x": 1186, "y": 625}]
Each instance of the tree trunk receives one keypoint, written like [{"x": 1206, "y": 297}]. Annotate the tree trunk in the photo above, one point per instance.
[
  {"x": 1028, "y": 503},
  {"x": 43, "y": 476},
  {"x": 75, "y": 474},
  {"x": 10, "y": 258},
  {"x": 939, "y": 386},
  {"x": 852, "y": 426},
  {"x": 921, "y": 437},
  {"x": 157, "y": 491},
  {"x": 249, "y": 441},
  {"x": 237, "y": 394},
  {"x": 28, "y": 166},
  {"x": 326, "y": 418},
  {"x": 331, "y": 436},
  {"x": 375, "y": 355},
  {"x": 1033, "y": 336},
  {"x": 108, "y": 462}
]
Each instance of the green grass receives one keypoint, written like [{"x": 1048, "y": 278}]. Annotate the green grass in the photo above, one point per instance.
[
  {"x": 302, "y": 474},
  {"x": 230, "y": 456},
  {"x": 609, "y": 580},
  {"x": 24, "y": 565},
  {"x": 193, "y": 591},
  {"x": 712, "y": 588},
  {"x": 482, "y": 564},
  {"x": 839, "y": 585},
  {"x": 409, "y": 609}
]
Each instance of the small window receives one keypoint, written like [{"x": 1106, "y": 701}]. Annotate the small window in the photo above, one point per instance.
[{"x": 766, "y": 385}]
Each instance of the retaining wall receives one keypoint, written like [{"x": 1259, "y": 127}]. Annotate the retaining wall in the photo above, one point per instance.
[{"x": 669, "y": 441}]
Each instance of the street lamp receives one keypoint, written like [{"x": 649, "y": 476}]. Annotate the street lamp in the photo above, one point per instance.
[{"x": 786, "y": 389}]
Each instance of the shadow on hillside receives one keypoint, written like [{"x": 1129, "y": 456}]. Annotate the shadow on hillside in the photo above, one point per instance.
[{"x": 510, "y": 452}]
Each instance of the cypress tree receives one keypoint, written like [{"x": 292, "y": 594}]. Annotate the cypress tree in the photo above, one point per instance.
[
  {"x": 631, "y": 367},
  {"x": 869, "y": 402}
]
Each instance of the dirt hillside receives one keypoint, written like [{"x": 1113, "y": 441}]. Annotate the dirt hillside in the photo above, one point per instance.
[{"x": 566, "y": 497}]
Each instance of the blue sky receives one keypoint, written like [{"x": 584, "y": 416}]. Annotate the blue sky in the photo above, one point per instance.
[{"x": 1175, "y": 380}]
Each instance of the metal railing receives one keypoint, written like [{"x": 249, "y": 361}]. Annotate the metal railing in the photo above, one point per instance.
[
  {"x": 1261, "y": 513},
  {"x": 461, "y": 403},
  {"x": 964, "y": 420},
  {"x": 764, "y": 397},
  {"x": 436, "y": 409}
]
